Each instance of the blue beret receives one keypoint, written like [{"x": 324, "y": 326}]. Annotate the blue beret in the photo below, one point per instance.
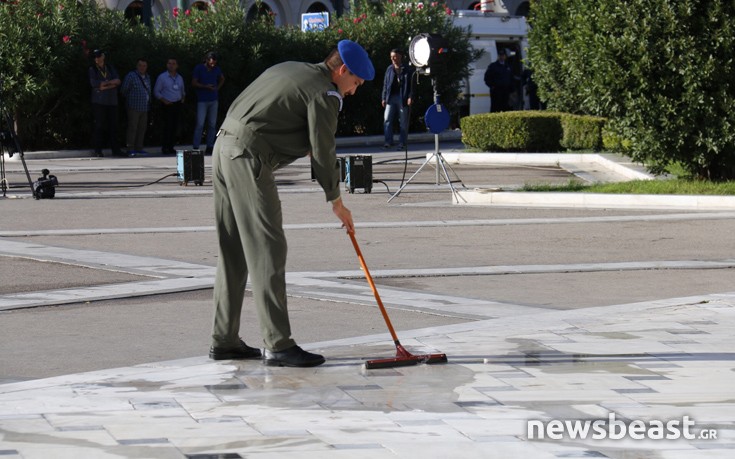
[{"x": 356, "y": 59}]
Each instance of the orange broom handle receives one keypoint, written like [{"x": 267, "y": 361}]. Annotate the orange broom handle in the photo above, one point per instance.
[{"x": 372, "y": 285}]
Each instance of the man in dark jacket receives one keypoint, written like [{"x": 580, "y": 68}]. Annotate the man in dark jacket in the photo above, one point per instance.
[
  {"x": 499, "y": 78},
  {"x": 104, "y": 80},
  {"x": 396, "y": 98}
]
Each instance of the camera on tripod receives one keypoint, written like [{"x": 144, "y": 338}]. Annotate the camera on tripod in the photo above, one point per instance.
[{"x": 45, "y": 187}]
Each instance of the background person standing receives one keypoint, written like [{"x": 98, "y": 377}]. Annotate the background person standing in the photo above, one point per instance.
[
  {"x": 104, "y": 81},
  {"x": 396, "y": 98},
  {"x": 137, "y": 90},
  {"x": 499, "y": 78},
  {"x": 207, "y": 80},
  {"x": 169, "y": 89}
]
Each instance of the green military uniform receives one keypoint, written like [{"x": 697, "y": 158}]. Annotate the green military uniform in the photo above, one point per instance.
[{"x": 288, "y": 112}]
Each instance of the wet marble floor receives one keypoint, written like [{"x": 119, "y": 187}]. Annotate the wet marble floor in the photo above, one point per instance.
[
  {"x": 510, "y": 365},
  {"x": 659, "y": 360}
]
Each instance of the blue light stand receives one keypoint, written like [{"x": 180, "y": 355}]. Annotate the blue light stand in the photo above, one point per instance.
[{"x": 437, "y": 120}]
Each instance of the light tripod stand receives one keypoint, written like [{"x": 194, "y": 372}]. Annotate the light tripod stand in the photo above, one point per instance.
[
  {"x": 437, "y": 120},
  {"x": 9, "y": 143}
]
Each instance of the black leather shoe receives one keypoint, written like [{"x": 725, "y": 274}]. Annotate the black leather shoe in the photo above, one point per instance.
[
  {"x": 292, "y": 357},
  {"x": 243, "y": 351}
]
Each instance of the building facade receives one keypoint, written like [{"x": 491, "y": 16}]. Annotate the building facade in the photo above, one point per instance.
[{"x": 290, "y": 11}]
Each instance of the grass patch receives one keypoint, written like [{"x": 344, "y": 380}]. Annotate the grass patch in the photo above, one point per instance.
[{"x": 675, "y": 186}]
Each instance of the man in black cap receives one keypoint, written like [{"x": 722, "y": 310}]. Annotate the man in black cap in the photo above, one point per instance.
[
  {"x": 289, "y": 112},
  {"x": 499, "y": 78}
]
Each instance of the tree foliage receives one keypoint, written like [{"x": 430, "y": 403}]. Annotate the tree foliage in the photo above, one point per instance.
[
  {"x": 662, "y": 70},
  {"x": 45, "y": 52}
]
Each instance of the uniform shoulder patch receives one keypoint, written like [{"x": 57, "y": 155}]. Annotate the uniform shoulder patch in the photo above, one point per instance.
[{"x": 338, "y": 96}]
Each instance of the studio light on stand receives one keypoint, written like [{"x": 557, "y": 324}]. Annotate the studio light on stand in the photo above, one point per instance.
[{"x": 428, "y": 53}]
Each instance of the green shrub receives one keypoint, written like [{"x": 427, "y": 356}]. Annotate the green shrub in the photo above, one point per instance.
[
  {"x": 582, "y": 132},
  {"x": 612, "y": 141},
  {"x": 661, "y": 70},
  {"x": 513, "y": 131}
]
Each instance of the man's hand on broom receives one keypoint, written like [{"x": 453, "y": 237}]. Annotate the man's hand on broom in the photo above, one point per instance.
[{"x": 344, "y": 215}]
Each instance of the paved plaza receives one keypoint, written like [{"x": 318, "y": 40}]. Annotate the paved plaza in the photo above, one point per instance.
[{"x": 557, "y": 315}]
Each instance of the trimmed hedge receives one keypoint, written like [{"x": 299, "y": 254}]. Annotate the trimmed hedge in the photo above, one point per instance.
[
  {"x": 582, "y": 132},
  {"x": 532, "y": 131}
]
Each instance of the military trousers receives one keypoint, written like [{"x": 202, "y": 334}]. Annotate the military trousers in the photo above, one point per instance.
[{"x": 252, "y": 242}]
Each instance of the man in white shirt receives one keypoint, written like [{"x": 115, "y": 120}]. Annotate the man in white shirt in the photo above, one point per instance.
[{"x": 170, "y": 91}]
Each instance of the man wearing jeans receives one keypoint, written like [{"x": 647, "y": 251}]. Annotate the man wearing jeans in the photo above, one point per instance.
[
  {"x": 396, "y": 98},
  {"x": 207, "y": 80}
]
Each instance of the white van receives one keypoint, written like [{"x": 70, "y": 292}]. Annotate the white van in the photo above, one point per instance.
[{"x": 492, "y": 32}]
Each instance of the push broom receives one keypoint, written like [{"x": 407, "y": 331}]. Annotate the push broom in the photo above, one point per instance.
[{"x": 403, "y": 358}]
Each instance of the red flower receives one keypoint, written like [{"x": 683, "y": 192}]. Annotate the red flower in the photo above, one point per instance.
[
  {"x": 393, "y": 14},
  {"x": 340, "y": 31},
  {"x": 420, "y": 6},
  {"x": 176, "y": 12},
  {"x": 449, "y": 12},
  {"x": 364, "y": 16},
  {"x": 434, "y": 4},
  {"x": 408, "y": 10},
  {"x": 187, "y": 12},
  {"x": 66, "y": 39}
]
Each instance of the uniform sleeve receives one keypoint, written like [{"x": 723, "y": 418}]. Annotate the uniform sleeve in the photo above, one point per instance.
[{"x": 322, "y": 114}]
